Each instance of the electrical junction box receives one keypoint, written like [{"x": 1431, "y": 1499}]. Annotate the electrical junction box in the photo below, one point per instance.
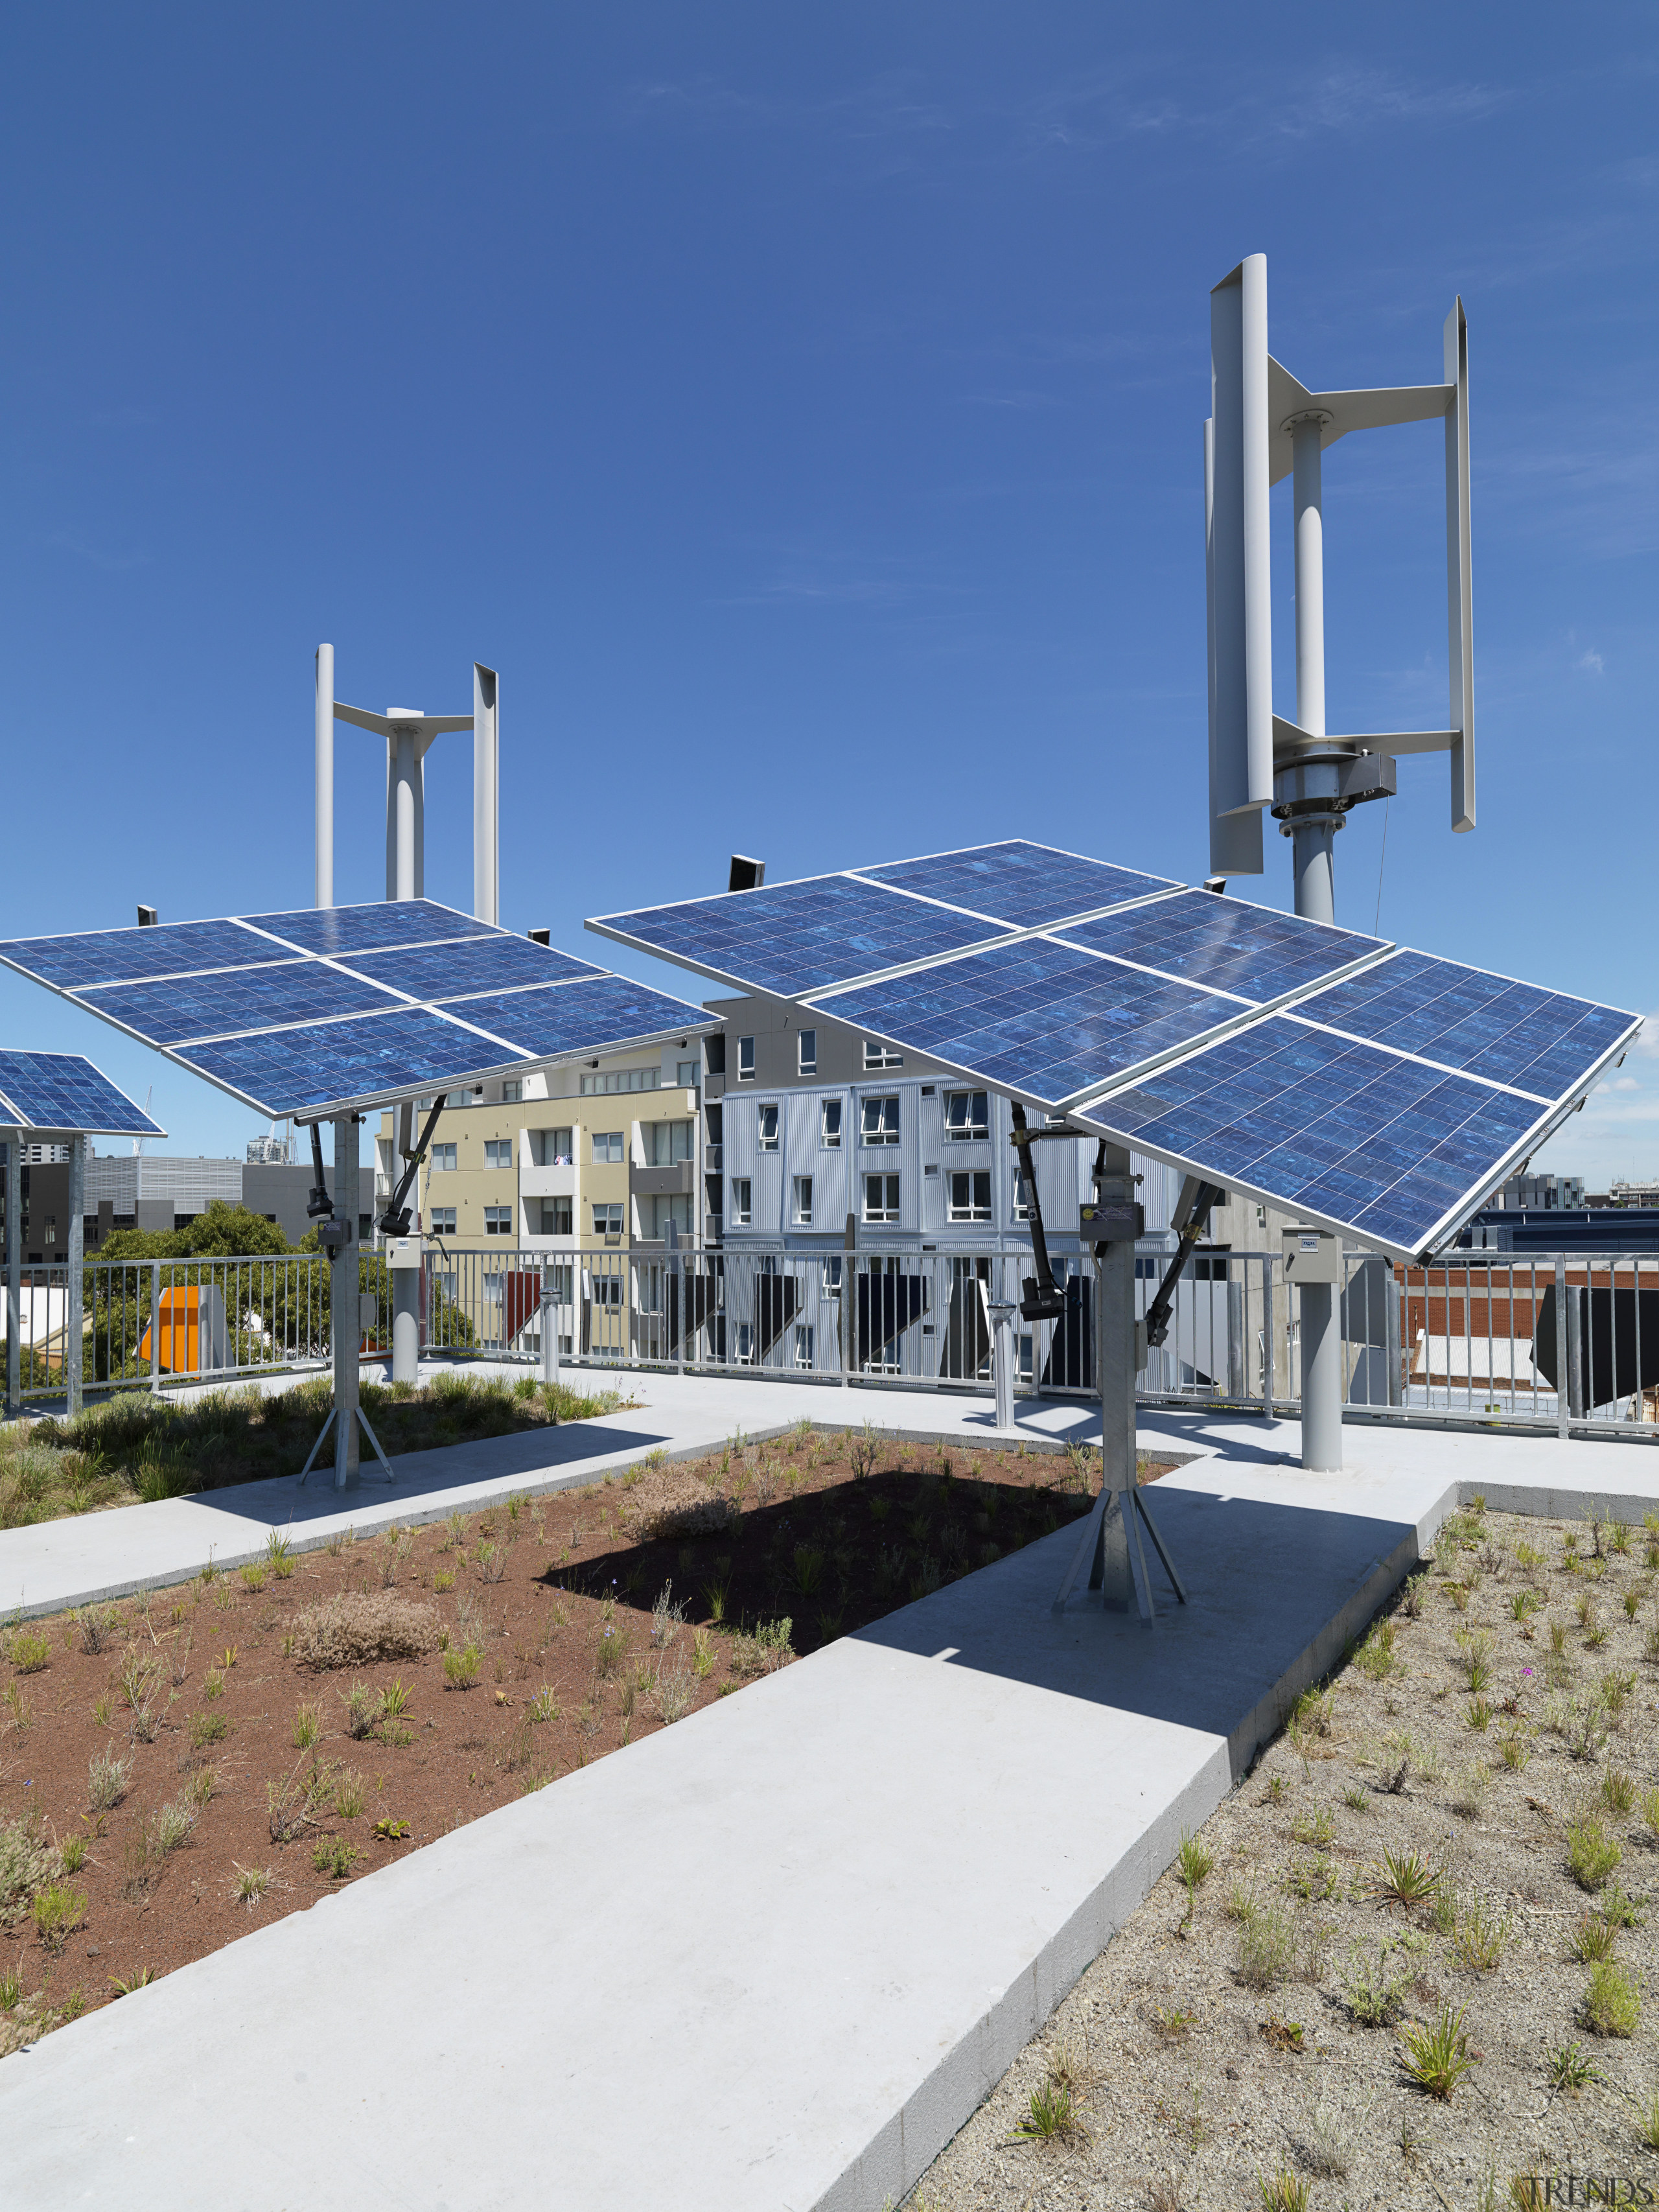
[
  {"x": 1312, "y": 1255},
  {"x": 405, "y": 1252},
  {"x": 1119, "y": 1222}
]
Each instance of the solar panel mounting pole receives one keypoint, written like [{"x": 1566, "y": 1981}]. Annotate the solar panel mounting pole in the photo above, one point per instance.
[
  {"x": 325, "y": 811},
  {"x": 14, "y": 1276},
  {"x": 346, "y": 1305},
  {"x": 73, "y": 1341}
]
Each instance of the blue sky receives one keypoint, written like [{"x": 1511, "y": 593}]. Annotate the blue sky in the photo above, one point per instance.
[{"x": 803, "y": 413}]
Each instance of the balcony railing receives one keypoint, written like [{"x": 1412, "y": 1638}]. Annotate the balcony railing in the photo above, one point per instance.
[{"x": 1479, "y": 1338}]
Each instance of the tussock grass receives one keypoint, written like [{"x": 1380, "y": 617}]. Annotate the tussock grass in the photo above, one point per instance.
[{"x": 357, "y": 1627}]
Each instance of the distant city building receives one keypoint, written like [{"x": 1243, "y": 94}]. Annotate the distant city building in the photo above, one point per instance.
[
  {"x": 1541, "y": 1193},
  {"x": 1634, "y": 1194}
]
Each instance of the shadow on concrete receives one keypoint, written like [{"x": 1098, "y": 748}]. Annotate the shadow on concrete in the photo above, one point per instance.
[
  {"x": 543, "y": 1458},
  {"x": 1276, "y": 1591}
]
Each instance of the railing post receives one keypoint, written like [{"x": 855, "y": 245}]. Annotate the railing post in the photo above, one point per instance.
[
  {"x": 13, "y": 1272},
  {"x": 155, "y": 1327},
  {"x": 1563, "y": 1388},
  {"x": 1267, "y": 1333}
]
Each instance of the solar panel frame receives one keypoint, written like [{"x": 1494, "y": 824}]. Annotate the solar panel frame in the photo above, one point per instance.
[
  {"x": 50, "y": 1076},
  {"x": 443, "y": 1044},
  {"x": 1529, "y": 1116}
]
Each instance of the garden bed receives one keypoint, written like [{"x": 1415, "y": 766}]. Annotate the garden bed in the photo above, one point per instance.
[
  {"x": 200, "y": 1760},
  {"x": 135, "y": 1448},
  {"x": 1418, "y": 1962}
]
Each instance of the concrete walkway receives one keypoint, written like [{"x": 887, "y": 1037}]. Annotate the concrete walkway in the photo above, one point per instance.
[{"x": 772, "y": 1958}]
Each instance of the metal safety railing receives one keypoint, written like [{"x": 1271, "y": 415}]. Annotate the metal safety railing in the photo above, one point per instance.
[{"x": 1567, "y": 1343}]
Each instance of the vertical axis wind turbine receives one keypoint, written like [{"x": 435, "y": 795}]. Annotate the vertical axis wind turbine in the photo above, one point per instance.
[
  {"x": 1265, "y": 424},
  {"x": 409, "y": 733}
]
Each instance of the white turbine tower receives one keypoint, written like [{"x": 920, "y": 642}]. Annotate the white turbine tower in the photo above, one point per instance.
[{"x": 409, "y": 733}]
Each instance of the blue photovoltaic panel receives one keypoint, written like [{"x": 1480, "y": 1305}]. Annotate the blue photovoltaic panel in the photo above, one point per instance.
[
  {"x": 1037, "y": 1016},
  {"x": 331, "y": 930},
  {"x": 291, "y": 1071},
  {"x": 795, "y": 937},
  {"x": 1513, "y": 1033},
  {"x": 113, "y": 955},
  {"x": 1345, "y": 1130},
  {"x": 61, "y": 1091},
  {"x": 585, "y": 1016},
  {"x": 294, "y": 1032},
  {"x": 1226, "y": 944},
  {"x": 246, "y": 999},
  {"x": 479, "y": 964},
  {"x": 1027, "y": 886}
]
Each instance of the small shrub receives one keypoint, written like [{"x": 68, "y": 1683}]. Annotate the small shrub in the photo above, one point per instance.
[
  {"x": 1611, "y": 2005},
  {"x": 1593, "y": 1939},
  {"x": 360, "y": 1711},
  {"x": 107, "y": 1781},
  {"x": 99, "y": 1625},
  {"x": 357, "y": 1627},
  {"x": 1481, "y": 1933},
  {"x": 461, "y": 1667},
  {"x": 1618, "y": 1790},
  {"x": 1405, "y": 1878},
  {"x": 675, "y": 1692},
  {"x": 308, "y": 1726},
  {"x": 1285, "y": 2192},
  {"x": 249, "y": 1884},
  {"x": 1646, "y": 2117},
  {"x": 59, "y": 1912},
  {"x": 1267, "y": 1948},
  {"x": 1436, "y": 2056},
  {"x": 394, "y": 1701},
  {"x": 1480, "y": 1715},
  {"x": 1354, "y": 1797},
  {"x": 349, "y": 1794},
  {"x": 254, "y": 1576},
  {"x": 1316, "y": 1829},
  {"x": 279, "y": 1555},
  {"x": 1193, "y": 1860},
  {"x": 1592, "y": 1854},
  {"x": 1512, "y": 1749},
  {"x": 1570, "y": 2068},
  {"x": 206, "y": 1729},
  {"x": 1375, "y": 1657},
  {"x": 30, "y": 1651},
  {"x": 335, "y": 1857}
]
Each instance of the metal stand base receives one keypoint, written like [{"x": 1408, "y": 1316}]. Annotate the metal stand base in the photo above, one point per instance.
[
  {"x": 1112, "y": 1541},
  {"x": 362, "y": 1422}
]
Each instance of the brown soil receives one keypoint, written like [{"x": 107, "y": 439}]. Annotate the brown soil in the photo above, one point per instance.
[{"x": 770, "y": 1550}]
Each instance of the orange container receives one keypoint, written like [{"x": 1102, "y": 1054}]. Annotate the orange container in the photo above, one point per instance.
[{"x": 180, "y": 1318}]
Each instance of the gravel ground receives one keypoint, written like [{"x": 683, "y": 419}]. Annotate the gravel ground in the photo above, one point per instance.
[{"x": 1251, "y": 2043}]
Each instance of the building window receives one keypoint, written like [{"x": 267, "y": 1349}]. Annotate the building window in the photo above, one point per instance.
[
  {"x": 881, "y": 1123},
  {"x": 1210, "y": 1266},
  {"x": 830, "y": 1125},
  {"x": 443, "y": 1221},
  {"x": 607, "y": 1148},
  {"x": 970, "y": 1196},
  {"x": 608, "y": 1219},
  {"x": 807, "y": 1053},
  {"x": 620, "y": 1079},
  {"x": 745, "y": 1060},
  {"x": 881, "y": 1055},
  {"x": 766, "y": 1133},
  {"x": 741, "y": 1214},
  {"x": 512, "y": 1091},
  {"x": 1022, "y": 1212},
  {"x": 675, "y": 1207},
  {"x": 967, "y": 1117},
  {"x": 803, "y": 1206},
  {"x": 685, "y": 1074},
  {"x": 442, "y": 1157},
  {"x": 746, "y": 1343},
  {"x": 498, "y": 1152},
  {"x": 556, "y": 1216},
  {"x": 498, "y": 1221},
  {"x": 666, "y": 1142},
  {"x": 830, "y": 1277},
  {"x": 803, "y": 1346},
  {"x": 881, "y": 1198}
]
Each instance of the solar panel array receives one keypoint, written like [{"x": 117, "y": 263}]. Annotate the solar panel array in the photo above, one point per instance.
[
  {"x": 62, "y": 1092},
  {"x": 1379, "y": 1090},
  {"x": 341, "y": 1008}
]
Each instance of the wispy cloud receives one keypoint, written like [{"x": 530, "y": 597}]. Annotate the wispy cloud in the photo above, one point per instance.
[
  {"x": 98, "y": 556},
  {"x": 1594, "y": 662}
]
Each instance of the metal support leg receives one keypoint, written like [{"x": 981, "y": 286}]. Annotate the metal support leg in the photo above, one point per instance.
[
  {"x": 1321, "y": 1380},
  {"x": 405, "y": 1325},
  {"x": 1002, "y": 1362},
  {"x": 346, "y": 1305},
  {"x": 13, "y": 1272},
  {"x": 550, "y": 1324},
  {"x": 74, "y": 1337}
]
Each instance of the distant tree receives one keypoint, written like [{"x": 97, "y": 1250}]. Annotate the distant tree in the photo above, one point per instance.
[{"x": 223, "y": 1232}]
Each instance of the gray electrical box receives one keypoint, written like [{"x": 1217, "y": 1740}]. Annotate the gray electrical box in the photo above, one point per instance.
[
  {"x": 1312, "y": 1255},
  {"x": 403, "y": 1252}
]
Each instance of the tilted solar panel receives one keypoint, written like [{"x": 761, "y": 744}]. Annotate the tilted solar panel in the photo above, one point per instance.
[
  {"x": 65, "y": 1093},
  {"x": 321, "y": 1011},
  {"x": 1227, "y": 945},
  {"x": 1534, "y": 1040},
  {"x": 1319, "y": 1070},
  {"x": 1024, "y": 886}
]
